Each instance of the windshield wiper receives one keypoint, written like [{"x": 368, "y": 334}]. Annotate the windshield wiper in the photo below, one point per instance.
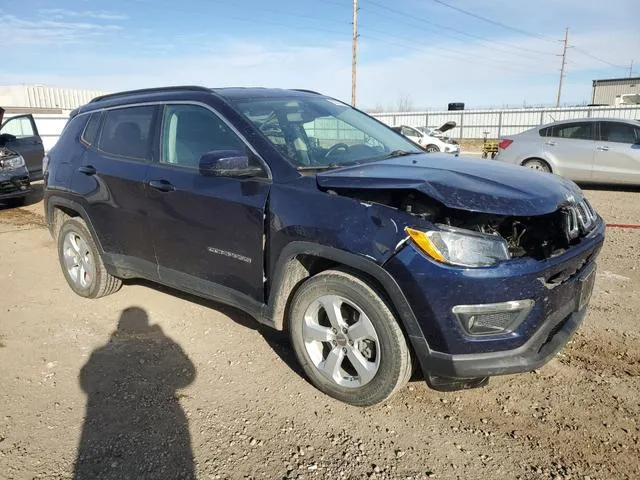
[
  {"x": 400, "y": 153},
  {"x": 327, "y": 166}
]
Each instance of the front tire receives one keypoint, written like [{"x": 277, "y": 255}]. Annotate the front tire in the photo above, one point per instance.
[
  {"x": 347, "y": 339},
  {"x": 81, "y": 262},
  {"x": 432, "y": 149}
]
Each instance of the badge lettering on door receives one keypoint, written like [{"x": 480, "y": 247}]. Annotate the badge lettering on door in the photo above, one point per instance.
[{"x": 235, "y": 256}]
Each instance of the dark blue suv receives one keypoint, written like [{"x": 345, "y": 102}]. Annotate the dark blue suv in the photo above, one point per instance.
[{"x": 317, "y": 219}]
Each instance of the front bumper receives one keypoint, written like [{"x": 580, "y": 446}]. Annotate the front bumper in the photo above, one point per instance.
[
  {"x": 446, "y": 350},
  {"x": 14, "y": 183}
]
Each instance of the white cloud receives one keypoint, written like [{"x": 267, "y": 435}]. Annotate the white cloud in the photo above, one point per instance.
[
  {"x": 17, "y": 32},
  {"x": 60, "y": 13}
]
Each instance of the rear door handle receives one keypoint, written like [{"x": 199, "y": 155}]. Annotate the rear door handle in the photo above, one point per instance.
[
  {"x": 87, "y": 170},
  {"x": 162, "y": 185},
  {"x": 603, "y": 148},
  {"x": 551, "y": 144}
]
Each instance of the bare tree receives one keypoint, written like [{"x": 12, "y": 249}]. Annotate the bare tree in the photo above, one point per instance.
[{"x": 404, "y": 103}]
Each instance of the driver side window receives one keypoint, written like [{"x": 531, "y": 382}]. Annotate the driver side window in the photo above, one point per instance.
[{"x": 19, "y": 127}]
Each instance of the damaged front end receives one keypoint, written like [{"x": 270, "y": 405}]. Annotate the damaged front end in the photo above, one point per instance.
[
  {"x": 14, "y": 176},
  {"x": 539, "y": 237}
]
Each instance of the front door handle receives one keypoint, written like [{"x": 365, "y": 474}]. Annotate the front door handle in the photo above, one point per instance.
[
  {"x": 551, "y": 144},
  {"x": 603, "y": 148},
  {"x": 162, "y": 185},
  {"x": 87, "y": 169}
]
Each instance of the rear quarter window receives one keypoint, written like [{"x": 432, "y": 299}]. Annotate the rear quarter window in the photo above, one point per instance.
[{"x": 91, "y": 129}]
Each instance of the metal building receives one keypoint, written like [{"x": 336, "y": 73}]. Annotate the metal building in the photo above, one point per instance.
[
  {"x": 610, "y": 91},
  {"x": 38, "y": 98}
]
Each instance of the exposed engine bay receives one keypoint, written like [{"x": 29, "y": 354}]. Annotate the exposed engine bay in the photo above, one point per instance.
[{"x": 539, "y": 237}]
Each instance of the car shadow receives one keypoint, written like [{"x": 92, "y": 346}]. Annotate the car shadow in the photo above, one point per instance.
[
  {"x": 134, "y": 425},
  {"x": 277, "y": 340}
]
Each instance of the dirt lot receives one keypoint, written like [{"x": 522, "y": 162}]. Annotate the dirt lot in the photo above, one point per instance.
[{"x": 186, "y": 388}]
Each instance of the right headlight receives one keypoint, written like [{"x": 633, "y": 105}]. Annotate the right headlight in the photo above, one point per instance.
[
  {"x": 11, "y": 163},
  {"x": 457, "y": 246}
]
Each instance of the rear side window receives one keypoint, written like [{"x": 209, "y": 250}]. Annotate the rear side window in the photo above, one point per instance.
[
  {"x": 619, "y": 132},
  {"x": 91, "y": 129},
  {"x": 127, "y": 132},
  {"x": 545, "y": 132},
  {"x": 575, "y": 131}
]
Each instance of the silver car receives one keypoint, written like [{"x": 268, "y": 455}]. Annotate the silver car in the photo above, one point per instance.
[{"x": 597, "y": 150}]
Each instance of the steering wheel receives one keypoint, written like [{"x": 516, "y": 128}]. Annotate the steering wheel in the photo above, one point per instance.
[{"x": 335, "y": 148}]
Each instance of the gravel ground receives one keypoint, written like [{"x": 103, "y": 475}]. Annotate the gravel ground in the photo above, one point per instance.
[{"x": 152, "y": 383}]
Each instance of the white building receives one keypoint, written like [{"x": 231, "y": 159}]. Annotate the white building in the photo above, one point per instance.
[{"x": 50, "y": 106}]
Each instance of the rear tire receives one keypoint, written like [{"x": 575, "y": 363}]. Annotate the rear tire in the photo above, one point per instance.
[
  {"x": 347, "y": 339},
  {"x": 537, "y": 164},
  {"x": 81, "y": 263}
]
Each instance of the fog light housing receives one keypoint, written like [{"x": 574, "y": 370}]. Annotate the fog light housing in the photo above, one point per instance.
[{"x": 492, "y": 318}]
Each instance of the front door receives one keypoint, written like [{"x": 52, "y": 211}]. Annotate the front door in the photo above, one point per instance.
[
  {"x": 617, "y": 153},
  {"x": 110, "y": 181},
  {"x": 571, "y": 147},
  {"x": 21, "y": 136},
  {"x": 208, "y": 231}
]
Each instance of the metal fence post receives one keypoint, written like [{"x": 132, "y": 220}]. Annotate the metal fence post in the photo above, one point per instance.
[
  {"x": 426, "y": 120},
  {"x": 500, "y": 125},
  {"x": 541, "y": 117},
  {"x": 461, "y": 125}
]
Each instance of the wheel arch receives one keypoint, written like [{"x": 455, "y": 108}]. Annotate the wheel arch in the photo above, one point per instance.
[
  {"x": 58, "y": 209},
  {"x": 301, "y": 260}
]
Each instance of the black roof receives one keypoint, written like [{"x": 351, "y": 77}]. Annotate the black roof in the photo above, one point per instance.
[{"x": 227, "y": 92}]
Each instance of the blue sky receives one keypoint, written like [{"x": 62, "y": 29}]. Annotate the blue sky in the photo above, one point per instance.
[{"x": 418, "y": 50}]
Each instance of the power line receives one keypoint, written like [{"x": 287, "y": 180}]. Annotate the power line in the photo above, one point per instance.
[
  {"x": 466, "y": 60},
  {"x": 587, "y": 54},
  {"x": 411, "y": 45},
  {"x": 493, "y": 21},
  {"x": 461, "y": 32}
]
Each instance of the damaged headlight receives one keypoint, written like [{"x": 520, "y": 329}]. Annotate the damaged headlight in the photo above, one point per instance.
[
  {"x": 11, "y": 163},
  {"x": 457, "y": 246}
]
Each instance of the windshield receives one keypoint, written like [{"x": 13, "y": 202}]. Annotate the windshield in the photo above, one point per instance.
[{"x": 320, "y": 132}]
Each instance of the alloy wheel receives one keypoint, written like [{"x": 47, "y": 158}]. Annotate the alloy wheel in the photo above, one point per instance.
[
  {"x": 341, "y": 341},
  {"x": 78, "y": 260}
]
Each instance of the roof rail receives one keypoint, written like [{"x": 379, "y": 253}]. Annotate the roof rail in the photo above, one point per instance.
[
  {"x": 192, "y": 88},
  {"x": 303, "y": 90}
]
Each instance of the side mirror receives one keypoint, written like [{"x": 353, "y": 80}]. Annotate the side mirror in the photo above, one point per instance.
[{"x": 227, "y": 163}]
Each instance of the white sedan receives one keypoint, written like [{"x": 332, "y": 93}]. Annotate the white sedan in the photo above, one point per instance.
[{"x": 431, "y": 139}]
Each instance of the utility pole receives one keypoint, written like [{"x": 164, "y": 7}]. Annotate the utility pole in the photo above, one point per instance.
[
  {"x": 631, "y": 69},
  {"x": 354, "y": 59},
  {"x": 564, "y": 62}
]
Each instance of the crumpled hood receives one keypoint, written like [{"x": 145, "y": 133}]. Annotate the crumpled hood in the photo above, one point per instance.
[{"x": 462, "y": 183}]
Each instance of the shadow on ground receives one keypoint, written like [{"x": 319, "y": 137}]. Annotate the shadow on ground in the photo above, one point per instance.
[
  {"x": 278, "y": 341},
  {"x": 134, "y": 426}
]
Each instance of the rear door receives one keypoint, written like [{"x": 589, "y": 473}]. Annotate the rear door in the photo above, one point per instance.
[
  {"x": 20, "y": 134},
  {"x": 208, "y": 231},
  {"x": 571, "y": 148},
  {"x": 110, "y": 180},
  {"x": 617, "y": 157}
]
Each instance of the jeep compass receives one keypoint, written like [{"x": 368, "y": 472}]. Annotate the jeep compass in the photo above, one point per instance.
[{"x": 313, "y": 217}]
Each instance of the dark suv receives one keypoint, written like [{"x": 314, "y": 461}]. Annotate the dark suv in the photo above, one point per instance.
[{"x": 317, "y": 219}]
